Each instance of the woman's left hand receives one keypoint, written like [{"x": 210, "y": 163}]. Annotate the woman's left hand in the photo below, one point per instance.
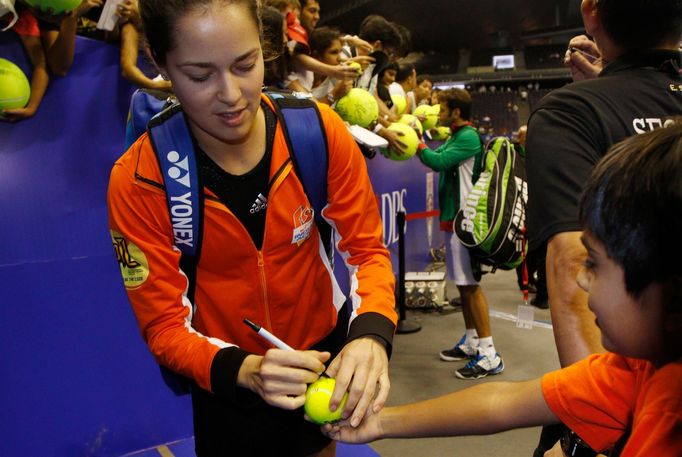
[{"x": 359, "y": 367}]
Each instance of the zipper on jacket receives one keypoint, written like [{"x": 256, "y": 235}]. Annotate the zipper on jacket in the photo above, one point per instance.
[{"x": 264, "y": 289}]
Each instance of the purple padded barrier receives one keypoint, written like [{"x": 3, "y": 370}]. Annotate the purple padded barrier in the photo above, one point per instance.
[{"x": 76, "y": 378}]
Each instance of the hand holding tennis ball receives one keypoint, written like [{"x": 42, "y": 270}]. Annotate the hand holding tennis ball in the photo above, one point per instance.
[
  {"x": 317, "y": 402},
  {"x": 357, "y": 67},
  {"x": 409, "y": 138}
]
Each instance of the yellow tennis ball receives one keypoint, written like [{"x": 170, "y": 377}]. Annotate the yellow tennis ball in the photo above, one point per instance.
[
  {"x": 409, "y": 137},
  {"x": 357, "y": 67},
  {"x": 412, "y": 121},
  {"x": 399, "y": 102},
  {"x": 317, "y": 402},
  {"x": 15, "y": 89},
  {"x": 358, "y": 107},
  {"x": 430, "y": 113},
  {"x": 54, "y": 6}
]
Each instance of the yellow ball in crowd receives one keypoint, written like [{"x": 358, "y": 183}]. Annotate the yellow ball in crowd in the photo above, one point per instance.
[
  {"x": 430, "y": 114},
  {"x": 399, "y": 102},
  {"x": 358, "y": 107},
  {"x": 15, "y": 89}
]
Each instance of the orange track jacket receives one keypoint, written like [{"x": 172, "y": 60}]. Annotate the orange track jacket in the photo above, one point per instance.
[{"x": 288, "y": 286}]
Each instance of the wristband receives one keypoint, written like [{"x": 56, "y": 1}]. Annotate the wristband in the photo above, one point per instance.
[{"x": 573, "y": 446}]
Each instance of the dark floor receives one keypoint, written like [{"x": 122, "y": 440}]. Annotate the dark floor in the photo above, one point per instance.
[{"x": 417, "y": 373}]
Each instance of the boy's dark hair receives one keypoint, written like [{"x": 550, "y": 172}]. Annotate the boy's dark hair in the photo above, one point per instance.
[
  {"x": 405, "y": 70},
  {"x": 632, "y": 204},
  {"x": 322, "y": 38},
  {"x": 641, "y": 24},
  {"x": 456, "y": 98},
  {"x": 377, "y": 28},
  {"x": 160, "y": 18}
]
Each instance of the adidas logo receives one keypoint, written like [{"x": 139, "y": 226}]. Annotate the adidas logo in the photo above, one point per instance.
[{"x": 260, "y": 204}]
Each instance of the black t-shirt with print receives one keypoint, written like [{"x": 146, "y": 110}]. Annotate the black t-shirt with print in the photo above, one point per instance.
[{"x": 574, "y": 126}]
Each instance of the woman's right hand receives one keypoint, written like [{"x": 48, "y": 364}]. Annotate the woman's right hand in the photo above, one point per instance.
[{"x": 281, "y": 377}]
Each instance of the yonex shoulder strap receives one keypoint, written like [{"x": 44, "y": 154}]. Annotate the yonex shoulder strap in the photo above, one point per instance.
[{"x": 172, "y": 142}]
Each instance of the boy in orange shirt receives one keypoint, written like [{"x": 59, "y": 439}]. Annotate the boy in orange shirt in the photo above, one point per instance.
[{"x": 629, "y": 400}]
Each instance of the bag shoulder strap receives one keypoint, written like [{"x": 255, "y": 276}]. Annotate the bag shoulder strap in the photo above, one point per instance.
[
  {"x": 174, "y": 148},
  {"x": 305, "y": 136}
]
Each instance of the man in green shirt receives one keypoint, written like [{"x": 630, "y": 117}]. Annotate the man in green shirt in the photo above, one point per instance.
[{"x": 458, "y": 161}]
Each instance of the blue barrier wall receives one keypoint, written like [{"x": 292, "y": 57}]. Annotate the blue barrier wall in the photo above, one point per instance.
[{"x": 75, "y": 377}]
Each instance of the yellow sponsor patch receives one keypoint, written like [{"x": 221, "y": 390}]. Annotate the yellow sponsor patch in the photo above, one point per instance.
[{"x": 133, "y": 262}]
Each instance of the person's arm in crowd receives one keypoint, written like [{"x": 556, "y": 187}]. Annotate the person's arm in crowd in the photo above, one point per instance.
[
  {"x": 364, "y": 61},
  {"x": 39, "y": 81},
  {"x": 358, "y": 43},
  {"x": 449, "y": 154},
  {"x": 332, "y": 71},
  {"x": 339, "y": 90},
  {"x": 484, "y": 409},
  {"x": 575, "y": 333},
  {"x": 385, "y": 112},
  {"x": 60, "y": 45},
  {"x": 130, "y": 42},
  {"x": 583, "y": 58}
]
